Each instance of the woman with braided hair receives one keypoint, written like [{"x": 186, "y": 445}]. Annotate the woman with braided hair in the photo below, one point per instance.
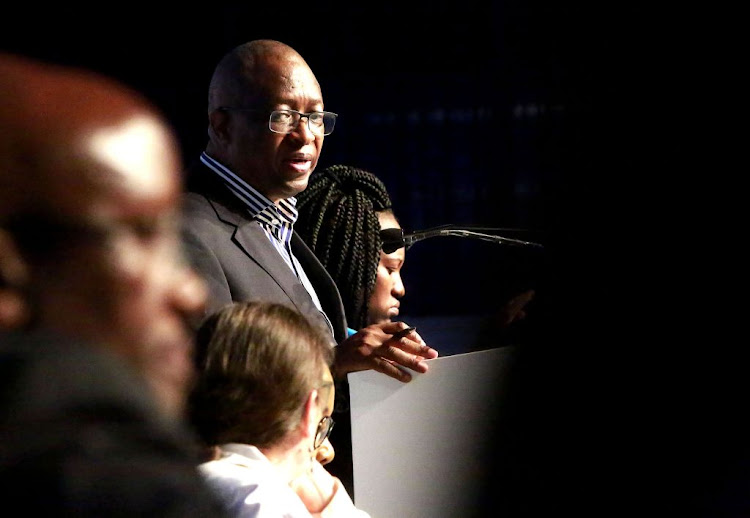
[{"x": 341, "y": 215}]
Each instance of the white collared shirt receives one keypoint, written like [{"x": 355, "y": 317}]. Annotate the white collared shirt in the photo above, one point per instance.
[{"x": 250, "y": 486}]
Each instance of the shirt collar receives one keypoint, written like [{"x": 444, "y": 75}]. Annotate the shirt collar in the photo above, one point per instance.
[{"x": 255, "y": 202}]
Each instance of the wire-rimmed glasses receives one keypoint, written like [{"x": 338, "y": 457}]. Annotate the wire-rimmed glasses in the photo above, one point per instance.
[
  {"x": 324, "y": 430},
  {"x": 320, "y": 123}
]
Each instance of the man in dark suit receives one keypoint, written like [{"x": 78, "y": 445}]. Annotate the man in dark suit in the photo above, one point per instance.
[
  {"x": 95, "y": 347},
  {"x": 266, "y": 129}
]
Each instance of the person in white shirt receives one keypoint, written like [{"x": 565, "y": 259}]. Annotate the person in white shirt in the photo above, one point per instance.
[{"x": 262, "y": 403}]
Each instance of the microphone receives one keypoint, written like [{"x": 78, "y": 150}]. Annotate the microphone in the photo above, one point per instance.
[{"x": 394, "y": 238}]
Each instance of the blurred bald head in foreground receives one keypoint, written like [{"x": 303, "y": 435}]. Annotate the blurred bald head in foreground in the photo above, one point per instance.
[
  {"x": 89, "y": 183},
  {"x": 95, "y": 343}
]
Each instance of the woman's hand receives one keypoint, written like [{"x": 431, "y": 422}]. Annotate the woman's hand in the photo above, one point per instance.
[{"x": 380, "y": 347}]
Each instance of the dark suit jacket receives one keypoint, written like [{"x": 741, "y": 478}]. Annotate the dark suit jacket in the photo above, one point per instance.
[
  {"x": 239, "y": 263},
  {"x": 80, "y": 435}
]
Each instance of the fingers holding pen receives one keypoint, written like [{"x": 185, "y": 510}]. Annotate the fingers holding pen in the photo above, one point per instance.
[
  {"x": 405, "y": 348},
  {"x": 391, "y": 348},
  {"x": 408, "y": 340}
]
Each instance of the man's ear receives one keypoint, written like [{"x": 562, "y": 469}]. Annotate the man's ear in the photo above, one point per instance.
[
  {"x": 14, "y": 307},
  {"x": 218, "y": 123}
]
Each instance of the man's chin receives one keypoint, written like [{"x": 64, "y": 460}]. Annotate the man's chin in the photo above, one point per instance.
[{"x": 296, "y": 186}]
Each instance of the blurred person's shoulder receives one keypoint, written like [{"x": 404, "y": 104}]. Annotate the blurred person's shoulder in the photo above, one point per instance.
[{"x": 76, "y": 420}]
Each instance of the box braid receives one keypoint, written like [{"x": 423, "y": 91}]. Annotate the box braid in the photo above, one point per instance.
[{"x": 338, "y": 220}]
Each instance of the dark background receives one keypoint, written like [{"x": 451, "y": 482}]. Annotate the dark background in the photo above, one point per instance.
[
  {"x": 554, "y": 118},
  {"x": 466, "y": 111}
]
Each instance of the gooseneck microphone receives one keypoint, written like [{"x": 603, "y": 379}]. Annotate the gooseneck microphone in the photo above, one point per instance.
[
  {"x": 394, "y": 238},
  {"x": 455, "y": 231}
]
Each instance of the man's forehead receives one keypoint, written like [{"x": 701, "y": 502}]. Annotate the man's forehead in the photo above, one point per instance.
[{"x": 290, "y": 77}]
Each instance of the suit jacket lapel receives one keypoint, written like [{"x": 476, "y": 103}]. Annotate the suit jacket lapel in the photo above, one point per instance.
[
  {"x": 248, "y": 235},
  {"x": 325, "y": 287},
  {"x": 253, "y": 241}
]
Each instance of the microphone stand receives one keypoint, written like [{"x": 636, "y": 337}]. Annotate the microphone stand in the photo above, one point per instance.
[{"x": 472, "y": 233}]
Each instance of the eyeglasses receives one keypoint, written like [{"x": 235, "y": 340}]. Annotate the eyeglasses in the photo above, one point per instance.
[
  {"x": 324, "y": 430},
  {"x": 286, "y": 121}
]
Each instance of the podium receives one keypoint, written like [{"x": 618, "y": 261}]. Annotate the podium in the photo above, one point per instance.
[{"x": 420, "y": 449}]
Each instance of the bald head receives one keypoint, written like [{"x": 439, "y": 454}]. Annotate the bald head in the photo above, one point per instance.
[
  {"x": 248, "y": 72},
  {"x": 89, "y": 187},
  {"x": 61, "y": 128}
]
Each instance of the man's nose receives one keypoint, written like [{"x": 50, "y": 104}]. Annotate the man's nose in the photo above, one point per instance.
[{"x": 303, "y": 131}]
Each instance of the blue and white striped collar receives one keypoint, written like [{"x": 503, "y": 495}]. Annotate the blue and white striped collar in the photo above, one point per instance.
[{"x": 256, "y": 202}]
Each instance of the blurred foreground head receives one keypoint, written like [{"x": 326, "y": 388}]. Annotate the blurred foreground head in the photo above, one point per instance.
[{"x": 89, "y": 183}]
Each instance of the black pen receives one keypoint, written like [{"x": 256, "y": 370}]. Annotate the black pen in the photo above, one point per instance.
[{"x": 404, "y": 332}]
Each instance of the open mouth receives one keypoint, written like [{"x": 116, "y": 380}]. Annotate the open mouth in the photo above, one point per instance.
[{"x": 300, "y": 165}]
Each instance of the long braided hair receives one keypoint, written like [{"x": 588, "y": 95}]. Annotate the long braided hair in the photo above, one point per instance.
[{"x": 338, "y": 220}]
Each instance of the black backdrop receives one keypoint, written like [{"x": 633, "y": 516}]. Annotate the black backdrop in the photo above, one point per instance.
[
  {"x": 546, "y": 116},
  {"x": 463, "y": 110}
]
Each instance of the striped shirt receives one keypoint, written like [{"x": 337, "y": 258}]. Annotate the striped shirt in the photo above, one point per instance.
[{"x": 276, "y": 221}]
